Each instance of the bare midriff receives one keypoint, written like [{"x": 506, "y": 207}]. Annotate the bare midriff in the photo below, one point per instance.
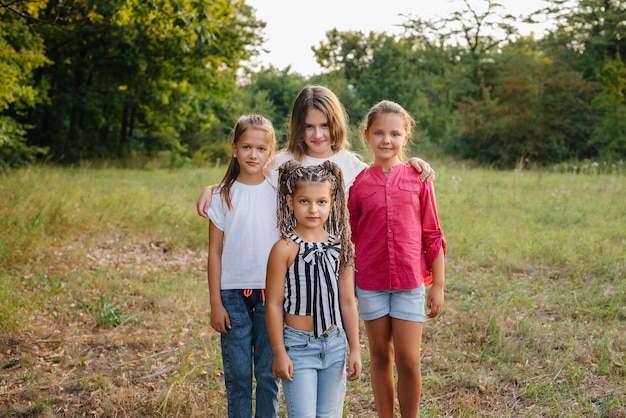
[{"x": 302, "y": 322}]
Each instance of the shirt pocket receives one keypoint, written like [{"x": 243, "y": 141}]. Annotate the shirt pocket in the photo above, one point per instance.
[
  {"x": 370, "y": 200},
  {"x": 409, "y": 193}
]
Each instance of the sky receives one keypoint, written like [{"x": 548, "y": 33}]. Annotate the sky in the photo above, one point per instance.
[{"x": 294, "y": 26}]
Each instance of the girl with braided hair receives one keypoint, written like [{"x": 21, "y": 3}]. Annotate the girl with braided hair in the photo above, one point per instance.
[{"x": 310, "y": 304}]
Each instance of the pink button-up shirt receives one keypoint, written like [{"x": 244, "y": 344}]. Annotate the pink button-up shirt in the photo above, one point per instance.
[{"x": 395, "y": 228}]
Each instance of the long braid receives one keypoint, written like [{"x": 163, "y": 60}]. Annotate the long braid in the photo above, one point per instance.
[
  {"x": 290, "y": 174},
  {"x": 286, "y": 220},
  {"x": 339, "y": 224}
]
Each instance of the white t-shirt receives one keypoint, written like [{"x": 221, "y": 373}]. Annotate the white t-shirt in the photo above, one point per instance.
[
  {"x": 349, "y": 163},
  {"x": 249, "y": 233}
]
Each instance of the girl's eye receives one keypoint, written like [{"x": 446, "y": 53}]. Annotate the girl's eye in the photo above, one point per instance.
[{"x": 246, "y": 147}]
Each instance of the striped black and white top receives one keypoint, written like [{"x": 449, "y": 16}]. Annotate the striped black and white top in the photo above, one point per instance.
[{"x": 311, "y": 284}]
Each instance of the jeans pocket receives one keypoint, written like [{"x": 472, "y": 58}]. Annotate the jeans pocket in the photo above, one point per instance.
[{"x": 296, "y": 343}]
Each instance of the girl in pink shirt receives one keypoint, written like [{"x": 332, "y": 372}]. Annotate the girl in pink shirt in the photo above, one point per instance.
[{"x": 399, "y": 245}]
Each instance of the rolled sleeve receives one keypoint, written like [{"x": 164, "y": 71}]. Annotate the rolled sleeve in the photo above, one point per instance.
[{"x": 432, "y": 235}]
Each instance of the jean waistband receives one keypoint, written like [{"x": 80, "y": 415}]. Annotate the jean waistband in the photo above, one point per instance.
[{"x": 310, "y": 335}]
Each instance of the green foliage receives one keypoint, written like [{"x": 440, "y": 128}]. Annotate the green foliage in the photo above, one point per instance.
[
  {"x": 14, "y": 151},
  {"x": 271, "y": 92},
  {"x": 133, "y": 80},
  {"x": 126, "y": 75},
  {"x": 610, "y": 138},
  {"x": 534, "y": 109},
  {"x": 21, "y": 54},
  {"x": 213, "y": 154},
  {"x": 483, "y": 93},
  {"x": 105, "y": 313}
]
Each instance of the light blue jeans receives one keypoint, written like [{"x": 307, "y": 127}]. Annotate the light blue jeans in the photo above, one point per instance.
[
  {"x": 318, "y": 372},
  {"x": 245, "y": 348}
]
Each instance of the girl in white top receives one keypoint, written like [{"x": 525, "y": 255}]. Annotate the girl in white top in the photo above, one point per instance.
[{"x": 239, "y": 246}]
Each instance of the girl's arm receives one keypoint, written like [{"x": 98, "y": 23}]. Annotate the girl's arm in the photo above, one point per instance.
[
  {"x": 277, "y": 265},
  {"x": 220, "y": 321},
  {"x": 422, "y": 167},
  {"x": 435, "y": 297},
  {"x": 350, "y": 322},
  {"x": 204, "y": 201}
]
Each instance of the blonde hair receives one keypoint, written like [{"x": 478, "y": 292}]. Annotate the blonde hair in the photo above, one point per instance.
[
  {"x": 324, "y": 100},
  {"x": 290, "y": 175},
  {"x": 245, "y": 122},
  {"x": 387, "y": 106}
]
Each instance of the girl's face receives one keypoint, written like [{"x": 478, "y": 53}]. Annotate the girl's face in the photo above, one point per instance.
[
  {"x": 387, "y": 136},
  {"x": 311, "y": 204},
  {"x": 317, "y": 134},
  {"x": 252, "y": 152}
]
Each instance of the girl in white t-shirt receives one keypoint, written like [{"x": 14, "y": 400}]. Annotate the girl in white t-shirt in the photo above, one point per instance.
[{"x": 239, "y": 246}]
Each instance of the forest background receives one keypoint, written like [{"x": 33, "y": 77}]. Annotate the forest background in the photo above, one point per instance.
[{"x": 133, "y": 82}]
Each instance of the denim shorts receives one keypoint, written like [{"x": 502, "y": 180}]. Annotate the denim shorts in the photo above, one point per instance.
[{"x": 400, "y": 304}]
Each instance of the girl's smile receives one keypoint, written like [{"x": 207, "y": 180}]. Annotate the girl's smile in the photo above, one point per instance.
[
  {"x": 317, "y": 135},
  {"x": 387, "y": 136}
]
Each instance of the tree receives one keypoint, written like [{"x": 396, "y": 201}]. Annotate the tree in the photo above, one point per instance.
[
  {"x": 21, "y": 53},
  {"x": 610, "y": 138},
  {"x": 537, "y": 109},
  {"x": 136, "y": 76},
  {"x": 587, "y": 32},
  {"x": 589, "y": 38},
  {"x": 272, "y": 92}
]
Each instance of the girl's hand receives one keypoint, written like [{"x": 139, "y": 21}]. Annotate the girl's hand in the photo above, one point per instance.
[
  {"x": 220, "y": 321},
  {"x": 422, "y": 167},
  {"x": 354, "y": 366},
  {"x": 204, "y": 201},
  {"x": 435, "y": 300},
  {"x": 282, "y": 367}
]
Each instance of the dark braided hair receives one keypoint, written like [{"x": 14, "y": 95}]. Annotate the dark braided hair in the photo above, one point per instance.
[{"x": 290, "y": 175}]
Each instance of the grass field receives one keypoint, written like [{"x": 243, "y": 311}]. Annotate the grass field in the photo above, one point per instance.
[{"x": 104, "y": 302}]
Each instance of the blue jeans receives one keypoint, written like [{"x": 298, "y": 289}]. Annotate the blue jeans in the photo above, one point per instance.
[
  {"x": 318, "y": 372},
  {"x": 245, "y": 348}
]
